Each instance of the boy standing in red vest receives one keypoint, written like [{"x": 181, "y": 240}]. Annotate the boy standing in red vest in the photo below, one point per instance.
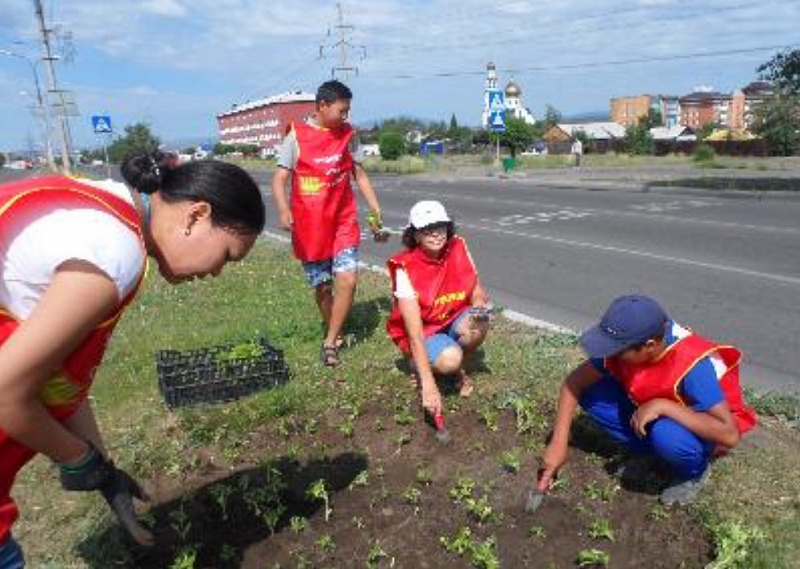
[
  {"x": 657, "y": 388},
  {"x": 323, "y": 214}
]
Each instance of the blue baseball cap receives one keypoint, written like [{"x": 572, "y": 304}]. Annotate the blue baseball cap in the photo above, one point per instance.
[{"x": 630, "y": 320}]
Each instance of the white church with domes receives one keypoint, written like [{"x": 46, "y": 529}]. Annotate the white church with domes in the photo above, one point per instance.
[{"x": 513, "y": 98}]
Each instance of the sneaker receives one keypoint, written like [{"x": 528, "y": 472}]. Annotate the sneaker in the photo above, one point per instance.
[{"x": 683, "y": 492}]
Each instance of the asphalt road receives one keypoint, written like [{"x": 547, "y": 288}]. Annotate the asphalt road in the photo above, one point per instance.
[{"x": 727, "y": 265}]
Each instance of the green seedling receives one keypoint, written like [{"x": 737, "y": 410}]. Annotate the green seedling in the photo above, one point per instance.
[
  {"x": 462, "y": 490},
  {"x": 298, "y": 524},
  {"x": 318, "y": 491},
  {"x": 601, "y": 529},
  {"x": 272, "y": 517},
  {"x": 358, "y": 522},
  {"x": 560, "y": 483},
  {"x": 484, "y": 554},
  {"x": 181, "y": 522},
  {"x": 459, "y": 543},
  {"x": 596, "y": 491},
  {"x": 733, "y": 543},
  {"x": 293, "y": 452},
  {"x": 311, "y": 426},
  {"x": 347, "y": 427},
  {"x": 479, "y": 446},
  {"x": 659, "y": 513},
  {"x": 403, "y": 417},
  {"x": 186, "y": 559},
  {"x": 480, "y": 509},
  {"x": 246, "y": 351},
  {"x": 412, "y": 495},
  {"x": 402, "y": 439},
  {"x": 510, "y": 461},
  {"x": 379, "y": 426},
  {"x": 528, "y": 418},
  {"x": 593, "y": 557},
  {"x": 489, "y": 418},
  {"x": 361, "y": 479},
  {"x": 379, "y": 472},
  {"x": 537, "y": 532},
  {"x": 326, "y": 543},
  {"x": 375, "y": 554},
  {"x": 221, "y": 493},
  {"x": 424, "y": 475}
]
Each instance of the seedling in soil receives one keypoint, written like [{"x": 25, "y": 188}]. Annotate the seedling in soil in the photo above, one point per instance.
[
  {"x": 376, "y": 553},
  {"x": 484, "y": 554},
  {"x": 478, "y": 446},
  {"x": 181, "y": 522},
  {"x": 186, "y": 559},
  {"x": 528, "y": 417},
  {"x": 273, "y": 516},
  {"x": 347, "y": 427},
  {"x": 403, "y": 417},
  {"x": 402, "y": 439},
  {"x": 424, "y": 475},
  {"x": 326, "y": 543},
  {"x": 221, "y": 493},
  {"x": 245, "y": 351},
  {"x": 601, "y": 529},
  {"x": 379, "y": 472},
  {"x": 537, "y": 532},
  {"x": 317, "y": 491},
  {"x": 659, "y": 513},
  {"x": 298, "y": 524},
  {"x": 596, "y": 491},
  {"x": 293, "y": 452},
  {"x": 459, "y": 543},
  {"x": 361, "y": 479},
  {"x": 379, "y": 427},
  {"x": 510, "y": 461},
  {"x": 489, "y": 418},
  {"x": 593, "y": 558},
  {"x": 481, "y": 510},
  {"x": 412, "y": 495},
  {"x": 312, "y": 426},
  {"x": 358, "y": 522},
  {"x": 462, "y": 490}
]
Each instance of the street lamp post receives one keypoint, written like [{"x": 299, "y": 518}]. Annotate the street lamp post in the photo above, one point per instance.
[{"x": 41, "y": 104}]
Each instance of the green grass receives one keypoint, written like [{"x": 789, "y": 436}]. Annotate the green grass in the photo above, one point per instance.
[
  {"x": 266, "y": 295},
  {"x": 403, "y": 165}
]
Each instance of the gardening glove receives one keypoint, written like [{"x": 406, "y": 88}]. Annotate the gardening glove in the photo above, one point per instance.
[
  {"x": 117, "y": 487},
  {"x": 375, "y": 222}
]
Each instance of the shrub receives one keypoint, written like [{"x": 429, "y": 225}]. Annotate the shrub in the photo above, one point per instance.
[{"x": 703, "y": 153}]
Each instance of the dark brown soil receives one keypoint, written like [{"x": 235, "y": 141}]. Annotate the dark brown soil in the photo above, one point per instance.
[{"x": 374, "y": 525}]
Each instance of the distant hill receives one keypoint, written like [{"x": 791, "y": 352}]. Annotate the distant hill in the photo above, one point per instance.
[{"x": 588, "y": 116}]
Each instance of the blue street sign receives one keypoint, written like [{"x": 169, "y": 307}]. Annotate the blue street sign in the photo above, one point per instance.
[
  {"x": 497, "y": 121},
  {"x": 101, "y": 124},
  {"x": 497, "y": 101},
  {"x": 497, "y": 110}
]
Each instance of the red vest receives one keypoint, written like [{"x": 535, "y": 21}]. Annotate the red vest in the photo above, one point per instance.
[
  {"x": 69, "y": 386},
  {"x": 324, "y": 210},
  {"x": 662, "y": 379},
  {"x": 444, "y": 288}
]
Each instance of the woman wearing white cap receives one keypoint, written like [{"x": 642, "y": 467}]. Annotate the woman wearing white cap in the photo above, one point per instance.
[{"x": 440, "y": 308}]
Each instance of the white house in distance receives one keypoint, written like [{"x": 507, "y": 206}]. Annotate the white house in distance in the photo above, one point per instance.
[{"x": 513, "y": 98}]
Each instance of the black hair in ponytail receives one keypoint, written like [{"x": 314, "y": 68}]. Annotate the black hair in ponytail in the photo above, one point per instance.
[{"x": 235, "y": 199}]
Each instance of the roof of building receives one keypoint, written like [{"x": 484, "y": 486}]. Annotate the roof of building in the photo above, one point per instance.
[
  {"x": 703, "y": 96},
  {"x": 513, "y": 90},
  {"x": 595, "y": 130},
  {"x": 288, "y": 97},
  {"x": 757, "y": 88},
  {"x": 671, "y": 132}
]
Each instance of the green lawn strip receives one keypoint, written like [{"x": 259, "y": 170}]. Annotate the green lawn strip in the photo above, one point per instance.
[{"x": 266, "y": 296}]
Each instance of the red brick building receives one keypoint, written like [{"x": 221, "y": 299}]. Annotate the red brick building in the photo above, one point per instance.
[
  {"x": 703, "y": 107},
  {"x": 263, "y": 122}
]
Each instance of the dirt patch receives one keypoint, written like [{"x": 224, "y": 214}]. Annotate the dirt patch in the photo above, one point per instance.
[{"x": 399, "y": 498}]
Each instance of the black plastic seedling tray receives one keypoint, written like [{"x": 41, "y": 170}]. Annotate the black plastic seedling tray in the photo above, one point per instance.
[{"x": 220, "y": 373}]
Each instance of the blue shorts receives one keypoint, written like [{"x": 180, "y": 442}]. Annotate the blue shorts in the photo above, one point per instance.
[
  {"x": 444, "y": 338},
  {"x": 11, "y": 555},
  {"x": 320, "y": 272}
]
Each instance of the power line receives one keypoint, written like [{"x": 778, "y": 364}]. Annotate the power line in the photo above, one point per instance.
[
  {"x": 593, "y": 64},
  {"x": 343, "y": 45}
]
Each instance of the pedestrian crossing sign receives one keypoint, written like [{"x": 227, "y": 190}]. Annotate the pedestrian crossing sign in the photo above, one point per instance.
[
  {"x": 496, "y": 100},
  {"x": 497, "y": 121},
  {"x": 101, "y": 124}
]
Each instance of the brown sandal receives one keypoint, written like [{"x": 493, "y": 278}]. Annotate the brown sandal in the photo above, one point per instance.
[
  {"x": 464, "y": 385},
  {"x": 329, "y": 356}
]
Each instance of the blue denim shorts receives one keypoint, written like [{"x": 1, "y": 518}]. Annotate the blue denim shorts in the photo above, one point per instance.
[
  {"x": 320, "y": 272},
  {"x": 444, "y": 338},
  {"x": 11, "y": 555}
]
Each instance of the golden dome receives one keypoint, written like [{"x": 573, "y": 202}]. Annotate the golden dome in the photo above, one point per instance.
[{"x": 513, "y": 90}]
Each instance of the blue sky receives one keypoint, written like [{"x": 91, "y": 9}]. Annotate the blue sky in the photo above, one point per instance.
[{"x": 176, "y": 63}]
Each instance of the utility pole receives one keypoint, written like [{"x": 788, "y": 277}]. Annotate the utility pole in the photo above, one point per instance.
[
  {"x": 342, "y": 45},
  {"x": 48, "y": 58}
]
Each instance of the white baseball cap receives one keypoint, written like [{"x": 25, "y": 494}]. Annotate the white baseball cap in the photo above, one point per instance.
[{"x": 427, "y": 213}]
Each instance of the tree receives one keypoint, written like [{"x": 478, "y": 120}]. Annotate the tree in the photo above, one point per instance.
[
  {"x": 518, "y": 136},
  {"x": 137, "y": 140},
  {"x": 552, "y": 117},
  {"x": 783, "y": 71},
  {"x": 2, "y": 159},
  {"x": 453, "y": 123},
  {"x": 391, "y": 144},
  {"x": 638, "y": 138}
]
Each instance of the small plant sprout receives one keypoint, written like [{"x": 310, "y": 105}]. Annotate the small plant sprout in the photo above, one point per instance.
[
  {"x": 181, "y": 522},
  {"x": 186, "y": 559},
  {"x": 489, "y": 418},
  {"x": 424, "y": 475},
  {"x": 510, "y": 461},
  {"x": 317, "y": 491},
  {"x": 596, "y": 491},
  {"x": 326, "y": 543},
  {"x": 375, "y": 554},
  {"x": 412, "y": 495},
  {"x": 537, "y": 532},
  {"x": 379, "y": 427},
  {"x": 601, "y": 529},
  {"x": 480, "y": 509},
  {"x": 560, "y": 483},
  {"x": 221, "y": 493},
  {"x": 358, "y": 522},
  {"x": 459, "y": 543},
  {"x": 478, "y": 446},
  {"x": 403, "y": 417},
  {"x": 593, "y": 558},
  {"x": 298, "y": 524},
  {"x": 484, "y": 554},
  {"x": 361, "y": 479},
  {"x": 528, "y": 417},
  {"x": 402, "y": 439},
  {"x": 347, "y": 427},
  {"x": 659, "y": 513},
  {"x": 462, "y": 490},
  {"x": 272, "y": 516}
]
